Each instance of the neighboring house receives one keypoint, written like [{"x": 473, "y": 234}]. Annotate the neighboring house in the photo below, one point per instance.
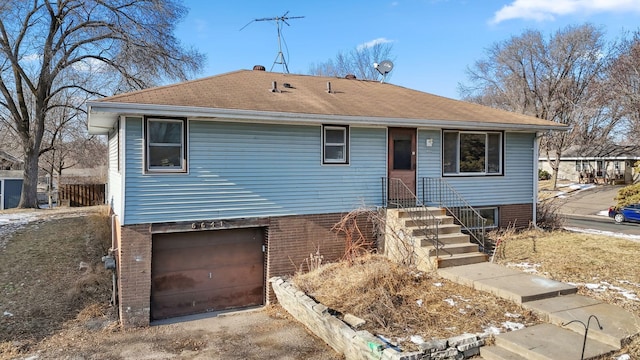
[
  {"x": 601, "y": 164},
  {"x": 9, "y": 162},
  {"x": 236, "y": 178},
  {"x": 10, "y": 180}
]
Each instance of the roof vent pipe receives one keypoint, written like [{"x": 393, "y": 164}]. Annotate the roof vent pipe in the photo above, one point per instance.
[
  {"x": 274, "y": 87},
  {"x": 329, "y": 87}
]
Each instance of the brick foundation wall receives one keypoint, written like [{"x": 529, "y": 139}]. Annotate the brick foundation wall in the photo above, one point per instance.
[
  {"x": 134, "y": 275},
  {"x": 293, "y": 238},
  {"x": 289, "y": 242},
  {"x": 519, "y": 215}
]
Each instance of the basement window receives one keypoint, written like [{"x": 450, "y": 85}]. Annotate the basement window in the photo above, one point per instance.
[{"x": 165, "y": 145}]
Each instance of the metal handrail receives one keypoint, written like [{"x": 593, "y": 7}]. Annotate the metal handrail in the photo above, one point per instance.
[
  {"x": 438, "y": 192},
  {"x": 398, "y": 195}
]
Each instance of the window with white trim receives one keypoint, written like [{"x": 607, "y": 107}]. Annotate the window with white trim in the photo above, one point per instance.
[
  {"x": 165, "y": 145},
  {"x": 335, "y": 144},
  {"x": 471, "y": 153}
]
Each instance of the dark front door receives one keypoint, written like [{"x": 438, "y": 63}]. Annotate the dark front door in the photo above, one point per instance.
[{"x": 402, "y": 157}]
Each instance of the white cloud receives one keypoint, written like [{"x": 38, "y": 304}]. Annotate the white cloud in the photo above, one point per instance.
[
  {"x": 373, "y": 43},
  {"x": 541, "y": 10},
  {"x": 90, "y": 65},
  {"x": 32, "y": 57}
]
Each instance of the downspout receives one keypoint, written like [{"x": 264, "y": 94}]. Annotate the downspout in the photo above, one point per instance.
[{"x": 536, "y": 156}]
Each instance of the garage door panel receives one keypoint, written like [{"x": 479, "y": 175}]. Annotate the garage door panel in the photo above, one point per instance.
[
  {"x": 216, "y": 255},
  {"x": 205, "y": 271},
  {"x": 203, "y": 280},
  {"x": 194, "y": 303}
]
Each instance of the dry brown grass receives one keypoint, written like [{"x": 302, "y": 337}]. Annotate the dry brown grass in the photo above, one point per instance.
[
  {"x": 386, "y": 295},
  {"x": 582, "y": 259},
  {"x": 41, "y": 282}
]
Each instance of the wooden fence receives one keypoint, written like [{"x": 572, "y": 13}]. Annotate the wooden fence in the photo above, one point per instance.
[{"x": 81, "y": 194}]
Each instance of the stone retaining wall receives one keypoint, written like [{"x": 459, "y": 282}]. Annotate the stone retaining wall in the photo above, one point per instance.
[{"x": 362, "y": 345}]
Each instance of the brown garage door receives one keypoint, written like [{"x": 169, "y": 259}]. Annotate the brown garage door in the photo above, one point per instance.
[{"x": 205, "y": 271}]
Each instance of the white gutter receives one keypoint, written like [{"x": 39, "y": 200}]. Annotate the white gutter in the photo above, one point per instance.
[{"x": 111, "y": 110}]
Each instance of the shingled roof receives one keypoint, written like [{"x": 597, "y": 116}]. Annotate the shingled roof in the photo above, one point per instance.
[{"x": 287, "y": 97}]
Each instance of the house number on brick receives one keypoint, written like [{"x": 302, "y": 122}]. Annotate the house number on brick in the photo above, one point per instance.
[{"x": 203, "y": 225}]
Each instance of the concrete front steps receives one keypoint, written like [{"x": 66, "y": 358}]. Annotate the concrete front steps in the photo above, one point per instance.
[
  {"x": 455, "y": 249},
  {"x": 556, "y": 303}
]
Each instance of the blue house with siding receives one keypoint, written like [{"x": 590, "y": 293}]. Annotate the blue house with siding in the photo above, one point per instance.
[{"x": 220, "y": 183}]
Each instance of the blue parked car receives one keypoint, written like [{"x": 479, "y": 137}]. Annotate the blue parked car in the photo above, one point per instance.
[{"x": 625, "y": 213}]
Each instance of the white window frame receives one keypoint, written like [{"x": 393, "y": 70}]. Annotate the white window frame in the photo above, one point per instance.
[
  {"x": 182, "y": 168},
  {"x": 344, "y": 144},
  {"x": 457, "y": 172}
]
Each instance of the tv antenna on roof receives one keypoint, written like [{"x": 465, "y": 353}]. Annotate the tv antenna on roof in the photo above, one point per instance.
[{"x": 279, "y": 21}]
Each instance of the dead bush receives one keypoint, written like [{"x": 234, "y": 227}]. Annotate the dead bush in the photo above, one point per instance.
[{"x": 547, "y": 215}]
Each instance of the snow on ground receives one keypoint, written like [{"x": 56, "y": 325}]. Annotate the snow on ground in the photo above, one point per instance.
[
  {"x": 525, "y": 267},
  {"x": 571, "y": 188},
  {"x": 603, "y": 287},
  {"x": 10, "y": 223},
  {"x": 605, "y": 233}
]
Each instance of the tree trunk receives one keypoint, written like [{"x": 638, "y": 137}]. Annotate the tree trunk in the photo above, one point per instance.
[
  {"x": 555, "y": 166},
  {"x": 29, "y": 196}
]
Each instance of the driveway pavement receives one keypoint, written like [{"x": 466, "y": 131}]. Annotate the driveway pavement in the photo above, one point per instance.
[
  {"x": 589, "y": 202},
  {"x": 251, "y": 334}
]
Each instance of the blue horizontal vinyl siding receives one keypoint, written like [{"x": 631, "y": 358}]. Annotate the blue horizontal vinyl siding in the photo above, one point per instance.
[
  {"x": 241, "y": 170},
  {"x": 515, "y": 186}
]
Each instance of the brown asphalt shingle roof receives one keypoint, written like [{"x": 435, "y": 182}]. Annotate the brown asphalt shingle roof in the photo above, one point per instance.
[{"x": 250, "y": 90}]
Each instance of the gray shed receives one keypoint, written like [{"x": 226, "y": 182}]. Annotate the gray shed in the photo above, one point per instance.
[{"x": 10, "y": 188}]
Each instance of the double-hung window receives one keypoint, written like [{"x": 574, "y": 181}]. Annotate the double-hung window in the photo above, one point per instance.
[
  {"x": 165, "y": 144},
  {"x": 335, "y": 144},
  {"x": 472, "y": 153}
]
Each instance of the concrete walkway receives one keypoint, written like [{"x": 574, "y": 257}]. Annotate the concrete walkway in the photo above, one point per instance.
[{"x": 556, "y": 303}]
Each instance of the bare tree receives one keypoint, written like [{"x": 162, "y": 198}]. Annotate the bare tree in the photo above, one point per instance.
[
  {"x": 95, "y": 46},
  {"x": 624, "y": 81},
  {"x": 358, "y": 62},
  {"x": 555, "y": 79}
]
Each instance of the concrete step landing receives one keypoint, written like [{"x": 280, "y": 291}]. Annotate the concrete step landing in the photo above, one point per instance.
[
  {"x": 506, "y": 283},
  {"x": 544, "y": 342},
  {"x": 618, "y": 325}
]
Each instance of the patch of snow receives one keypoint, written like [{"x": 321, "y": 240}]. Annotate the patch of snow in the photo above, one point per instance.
[
  {"x": 525, "y": 267},
  {"x": 512, "y": 326},
  {"x": 416, "y": 339},
  {"x": 450, "y": 302},
  {"x": 604, "y": 286},
  {"x": 635, "y": 238},
  {"x": 515, "y": 316},
  {"x": 419, "y": 302},
  {"x": 10, "y": 223},
  {"x": 437, "y": 284},
  {"x": 6, "y": 313},
  {"x": 491, "y": 330},
  {"x": 604, "y": 213},
  {"x": 462, "y": 311},
  {"x": 624, "y": 357}
]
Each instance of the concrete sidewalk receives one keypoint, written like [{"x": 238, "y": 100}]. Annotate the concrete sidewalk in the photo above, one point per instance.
[{"x": 557, "y": 304}]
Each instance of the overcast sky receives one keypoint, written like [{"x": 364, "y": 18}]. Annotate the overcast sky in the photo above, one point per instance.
[{"x": 434, "y": 41}]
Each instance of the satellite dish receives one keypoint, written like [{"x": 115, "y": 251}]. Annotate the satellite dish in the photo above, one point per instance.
[{"x": 383, "y": 68}]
